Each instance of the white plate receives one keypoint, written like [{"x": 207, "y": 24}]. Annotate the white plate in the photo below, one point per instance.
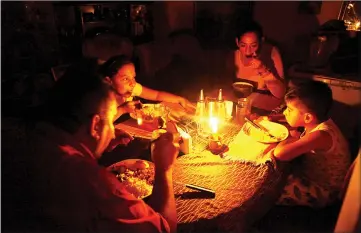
[
  {"x": 137, "y": 175},
  {"x": 278, "y": 130}
]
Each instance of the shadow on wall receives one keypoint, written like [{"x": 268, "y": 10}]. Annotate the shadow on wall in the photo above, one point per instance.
[
  {"x": 186, "y": 72},
  {"x": 347, "y": 118},
  {"x": 291, "y": 30}
]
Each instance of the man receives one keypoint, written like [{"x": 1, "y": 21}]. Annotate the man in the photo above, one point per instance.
[{"x": 71, "y": 191}]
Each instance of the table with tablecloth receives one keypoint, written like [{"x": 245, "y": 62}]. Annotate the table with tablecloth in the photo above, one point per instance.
[
  {"x": 246, "y": 182},
  {"x": 246, "y": 187}
]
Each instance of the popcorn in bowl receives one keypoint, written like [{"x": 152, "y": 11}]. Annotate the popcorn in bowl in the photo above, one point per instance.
[{"x": 136, "y": 175}]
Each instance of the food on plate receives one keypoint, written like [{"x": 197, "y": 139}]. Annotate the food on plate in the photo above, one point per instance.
[
  {"x": 260, "y": 135},
  {"x": 137, "y": 177},
  {"x": 279, "y": 132},
  {"x": 141, "y": 164},
  {"x": 149, "y": 112}
]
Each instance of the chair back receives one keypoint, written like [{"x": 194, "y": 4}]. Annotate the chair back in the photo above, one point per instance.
[
  {"x": 349, "y": 216},
  {"x": 346, "y": 181}
]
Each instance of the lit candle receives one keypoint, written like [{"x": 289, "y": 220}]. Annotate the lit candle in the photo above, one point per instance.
[
  {"x": 213, "y": 122},
  {"x": 139, "y": 120},
  {"x": 215, "y": 140}
]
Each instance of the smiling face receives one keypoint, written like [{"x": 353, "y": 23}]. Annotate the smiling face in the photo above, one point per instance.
[
  {"x": 124, "y": 80},
  {"x": 248, "y": 44}
]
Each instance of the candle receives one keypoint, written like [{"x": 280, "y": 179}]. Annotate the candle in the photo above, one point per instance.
[
  {"x": 214, "y": 142},
  {"x": 213, "y": 123},
  {"x": 214, "y": 139}
]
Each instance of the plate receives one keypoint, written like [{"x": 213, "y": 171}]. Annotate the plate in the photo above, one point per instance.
[
  {"x": 177, "y": 113},
  {"x": 137, "y": 175},
  {"x": 278, "y": 130}
]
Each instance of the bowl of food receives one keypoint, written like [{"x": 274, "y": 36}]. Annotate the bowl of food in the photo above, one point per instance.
[
  {"x": 242, "y": 89},
  {"x": 151, "y": 112},
  {"x": 136, "y": 175}
]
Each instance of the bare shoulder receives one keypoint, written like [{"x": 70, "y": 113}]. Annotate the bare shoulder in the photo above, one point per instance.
[
  {"x": 320, "y": 139},
  {"x": 275, "y": 52}
]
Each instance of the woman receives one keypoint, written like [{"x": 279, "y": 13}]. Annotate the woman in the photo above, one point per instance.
[
  {"x": 260, "y": 64},
  {"x": 120, "y": 72}
]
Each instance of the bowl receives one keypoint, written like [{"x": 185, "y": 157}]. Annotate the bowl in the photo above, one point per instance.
[
  {"x": 242, "y": 89},
  {"x": 151, "y": 112}
]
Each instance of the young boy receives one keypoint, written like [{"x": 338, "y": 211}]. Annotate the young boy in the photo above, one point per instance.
[{"x": 323, "y": 151}]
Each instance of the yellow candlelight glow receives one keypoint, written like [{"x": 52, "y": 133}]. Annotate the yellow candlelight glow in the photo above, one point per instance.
[
  {"x": 139, "y": 121},
  {"x": 213, "y": 122}
]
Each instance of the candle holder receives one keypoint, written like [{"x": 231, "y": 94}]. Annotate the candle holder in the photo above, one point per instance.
[
  {"x": 215, "y": 145},
  {"x": 214, "y": 142}
]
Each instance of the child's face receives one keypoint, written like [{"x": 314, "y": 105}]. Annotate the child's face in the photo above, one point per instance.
[
  {"x": 124, "y": 80},
  {"x": 294, "y": 115}
]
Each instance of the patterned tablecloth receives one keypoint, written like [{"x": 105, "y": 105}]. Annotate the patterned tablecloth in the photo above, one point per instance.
[{"x": 245, "y": 190}]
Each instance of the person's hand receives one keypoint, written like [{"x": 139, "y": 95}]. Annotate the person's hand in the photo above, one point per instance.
[
  {"x": 257, "y": 64},
  {"x": 121, "y": 138},
  {"x": 188, "y": 106},
  {"x": 130, "y": 106},
  {"x": 165, "y": 151}
]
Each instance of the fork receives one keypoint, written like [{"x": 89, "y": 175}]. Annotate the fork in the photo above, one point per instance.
[{"x": 260, "y": 127}]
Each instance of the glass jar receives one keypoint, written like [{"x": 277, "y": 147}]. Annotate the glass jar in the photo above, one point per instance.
[{"x": 243, "y": 109}]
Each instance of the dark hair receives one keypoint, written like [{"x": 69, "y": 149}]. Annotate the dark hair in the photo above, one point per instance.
[
  {"x": 249, "y": 26},
  {"x": 113, "y": 64},
  {"x": 77, "y": 96},
  {"x": 316, "y": 96}
]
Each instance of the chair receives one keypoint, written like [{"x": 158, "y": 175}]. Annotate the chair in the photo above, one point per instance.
[{"x": 349, "y": 216}]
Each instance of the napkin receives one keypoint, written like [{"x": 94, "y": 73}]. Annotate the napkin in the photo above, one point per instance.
[{"x": 245, "y": 148}]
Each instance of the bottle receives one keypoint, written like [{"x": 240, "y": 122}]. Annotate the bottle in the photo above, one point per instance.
[
  {"x": 221, "y": 106},
  {"x": 201, "y": 116}
]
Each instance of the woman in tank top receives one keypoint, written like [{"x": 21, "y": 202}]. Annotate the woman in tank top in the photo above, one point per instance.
[{"x": 260, "y": 64}]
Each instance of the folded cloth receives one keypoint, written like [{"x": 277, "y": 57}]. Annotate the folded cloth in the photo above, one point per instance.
[{"x": 245, "y": 148}]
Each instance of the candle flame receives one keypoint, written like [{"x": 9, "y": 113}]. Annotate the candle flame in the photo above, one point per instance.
[
  {"x": 139, "y": 121},
  {"x": 213, "y": 122}
]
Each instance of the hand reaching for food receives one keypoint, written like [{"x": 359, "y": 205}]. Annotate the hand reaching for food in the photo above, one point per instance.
[
  {"x": 188, "y": 106},
  {"x": 121, "y": 138},
  {"x": 130, "y": 106}
]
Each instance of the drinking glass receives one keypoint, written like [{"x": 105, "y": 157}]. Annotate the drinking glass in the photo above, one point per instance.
[{"x": 243, "y": 109}]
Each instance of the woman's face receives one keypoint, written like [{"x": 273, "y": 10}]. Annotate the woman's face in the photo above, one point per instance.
[
  {"x": 248, "y": 44},
  {"x": 124, "y": 80}
]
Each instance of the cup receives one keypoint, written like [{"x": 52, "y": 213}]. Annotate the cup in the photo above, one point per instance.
[{"x": 243, "y": 109}]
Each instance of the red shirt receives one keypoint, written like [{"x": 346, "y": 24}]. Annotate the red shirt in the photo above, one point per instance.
[{"x": 73, "y": 193}]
